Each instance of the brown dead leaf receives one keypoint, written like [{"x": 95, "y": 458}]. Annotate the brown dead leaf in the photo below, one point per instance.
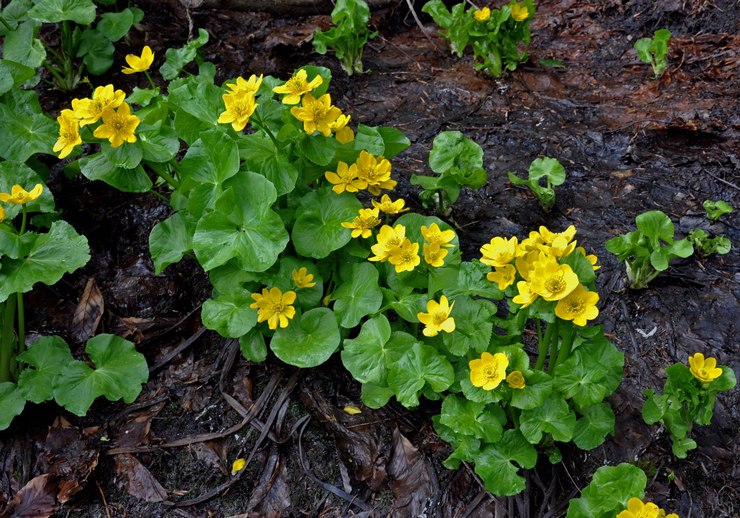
[
  {"x": 138, "y": 480},
  {"x": 290, "y": 36},
  {"x": 69, "y": 457},
  {"x": 413, "y": 481},
  {"x": 36, "y": 499},
  {"x": 89, "y": 311},
  {"x": 213, "y": 454}
]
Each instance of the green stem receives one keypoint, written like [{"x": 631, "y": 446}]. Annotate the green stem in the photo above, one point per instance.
[
  {"x": 167, "y": 177},
  {"x": 553, "y": 348},
  {"x": 21, "y": 322},
  {"x": 257, "y": 120},
  {"x": 6, "y": 339},
  {"x": 23, "y": 219},
  {"x": 569, "y": 334},
  {"x": 7, "y": 26},
  {"x": 151, "y": 82},
  {"x": 543, "y": 345}
]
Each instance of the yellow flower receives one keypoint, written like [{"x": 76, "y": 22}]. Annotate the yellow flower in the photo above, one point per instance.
[
  {"x": 364, "y": 223},
  {"x": 591, "y": 258},
  {"x": 437, "y": 318},
  {"x": 296, "y": 86},
  {"x": 553, "y": 281},
  {"x": 375, "y": 171},
  {"x": 89, "y": 111},
  {"x": 18, "y": 195},
  {"x": 389, "y": 206},
  {"x": 482, "y": 15},
  {"x": 434, "y": 236},
  {"x": 703, "y": 370},
  {"x": 274, "y": 306},
  {"x": 302, "y": 279},
  {"x": 342, "y": 132},
  {"x": 2, "y": 214},
  {"x": 118, "y": 126},
  {"x": 316, "y": 114},
  {"x": 519, "y": 12},
  {"x": 139, "y": 63},
  {"x": 579, "y": 306},
  {"x": 558, "y": 244},
  {"x": 434, "y": 255},
  {"x": 526, "y": 296},
  {"x": 488, "y": 371},
  {"x": 345, "y": 179},
  {"x": 499, "y": 252},
  {"x": 237, "y": 466},
  {"x": 637, "y": 509},
  {"x": 249, "y": 86},
  {"x": 525, "y": 263},
  {"x": 405, "y": 257},
  {"x": 389, "y": 239},
  {"x": 515, "y": 380},
  {"x": 69, "y": 133},
  {"x": 504, "y": 276},
  {"x": 239, "y": 108}
]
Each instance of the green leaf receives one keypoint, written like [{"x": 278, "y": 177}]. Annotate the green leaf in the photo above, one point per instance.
[
  {"x": 115, "y": 26},
  {"x": 682, "y": 446},
  {"x": 608, "y": 492},
  {"x": 375, "y": 396},
  {"x": 177, "y": 59},
  {"x": 468, "y": 278},
  {"x": 126, "y": 156},
  {"x": 364, "y": 356},
  {"x": 170, "y": 240},
  {"x": 654, "y": 408},
  {"x": 97, "y": 51},
  {"x": 393, "y": 141},
  {"x": 408, "y": 306},
  {"x": 261, "y": 156},
  {"x": 494, "y": 464},
  {"x": 98, "y": 167},
  {"x": 24, "y": 135},
  {"x": 308, "y": 341},
  {"x": 479, "y": 420},
  {"x": 60, "y": 251},
  {"x": 473, "y": 325},
  {"x": 726, "y": 381},
  {"x": 452, "y": 149},
  {"x": 48, "y": 356},
  {"x": 81, "y": 12},
  {"x": 548, "y": 168},
  {"x": 591, "y": 429},
  {"x": 716, "y": 209},
  {"x": 242, "y": 226},
  {"x": 358, "y": 296},
  {"x": 13, "y": 74},
  {"x": 252, "y": 346},
  {"x": 318, "y": 230},
  {"x": 537, "y": 389},
  {"x": 553, "y": 417},
  {"x": 22, "y": 46},
  {"x": 12, "y": 403},
  {"x": 159, "y": 146},
  {"x": 229, "y": 314},
  {"x": 317, "y": 149},
  {"x": 118, "y": 374},
  {"x": 418, "y": 366},
  {"x": 656, "y": 226}
]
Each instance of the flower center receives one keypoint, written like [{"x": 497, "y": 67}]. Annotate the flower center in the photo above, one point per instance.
[
  {"x": 575, "y": 306},
  {"x": 555, "y": 284},
  {"x": 439, "y": 318}
]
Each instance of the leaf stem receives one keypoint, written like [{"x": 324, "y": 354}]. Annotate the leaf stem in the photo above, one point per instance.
[
  {"x": 544, "y": 343},
  {"x": 257, "y": 120},
  {"x": 6, "y": 339},
  {"x": 21, "y": 322}
]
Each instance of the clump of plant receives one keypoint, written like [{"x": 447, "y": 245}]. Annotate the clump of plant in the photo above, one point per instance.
[
  {"x": 716, "y": 209},
  {"x": 707, "y": 245},
  {"x": 290, "y": 212},
  {"x": 652, "y": 51},
  {"x": 544, "y": 175},
  {"x": 496, "y": 35},
  {"x": 611, "y": 493},
  {"x": 348, "y": 36},
  {"x": 84, "y": 44},
  {"x": 459, "y": 162},
  {"x": 688, "y": 398},
  {"x": 648, "y": 250}
]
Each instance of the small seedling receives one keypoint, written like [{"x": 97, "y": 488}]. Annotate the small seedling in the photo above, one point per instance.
[
  {"x": 706, "y": 245},
  {"x": 648, "y": 250},
  {"x": 652, "y": 51},
  {"x": 544, "y": 175},
  {"x": 716, "y": 209},
  {"x": 348, "y": 36}
]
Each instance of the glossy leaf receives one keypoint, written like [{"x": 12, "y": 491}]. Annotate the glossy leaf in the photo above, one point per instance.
[
  {"x": 318, "y": 227},
  {"x": 494, "y": 464},
  {"x": 229, "y": 314},
  {"x": 309, "y": 340},
  {"x": 358, "y": 296},
  {"x": 364, "y": 356},
  {"x": 12, "y": 403},
  {"x": 421, "y": 364},
  {"x": 46, "y": 358}
]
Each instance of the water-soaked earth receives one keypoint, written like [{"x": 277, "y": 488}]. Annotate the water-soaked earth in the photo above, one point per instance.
[{"x": 629, "y": 144}]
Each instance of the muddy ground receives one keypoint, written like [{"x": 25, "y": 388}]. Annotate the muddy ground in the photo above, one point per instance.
[{"x": 629, "y": 144}]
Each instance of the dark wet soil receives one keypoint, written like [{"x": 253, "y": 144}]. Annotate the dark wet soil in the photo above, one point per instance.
[{"x": 629, "y": 144}]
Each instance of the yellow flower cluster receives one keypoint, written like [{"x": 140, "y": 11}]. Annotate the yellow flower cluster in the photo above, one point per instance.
[
  {"x": 488, "y": 371},
  {"x": 368, "y": 172},
  {"x": 536, "y": 261},
  {"x": 107, "y": 104},
  {"x": 393, "y": 245},
  {"x": 316, "y": 114},
  {"x": 240, "y": 102},
  {"x": 637, "y": 509}
]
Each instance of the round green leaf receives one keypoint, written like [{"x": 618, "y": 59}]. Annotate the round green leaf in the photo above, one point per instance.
[
  {"x": 11, "y": 403},
  {"x": 53, "y": 11},
  {"x": 364, "y": 356},
  {"x": 553, "y": 417},
  {"x": 318, "y": 229},
  {"x": 358, "y": 296},
  {"x": 229, "y": 314},
  {"x": 308, "y": 341},
  {"x": 98, "y": 167},
  {"x": 591, "y": 429},
  {"x": 48, "y": 356}
]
